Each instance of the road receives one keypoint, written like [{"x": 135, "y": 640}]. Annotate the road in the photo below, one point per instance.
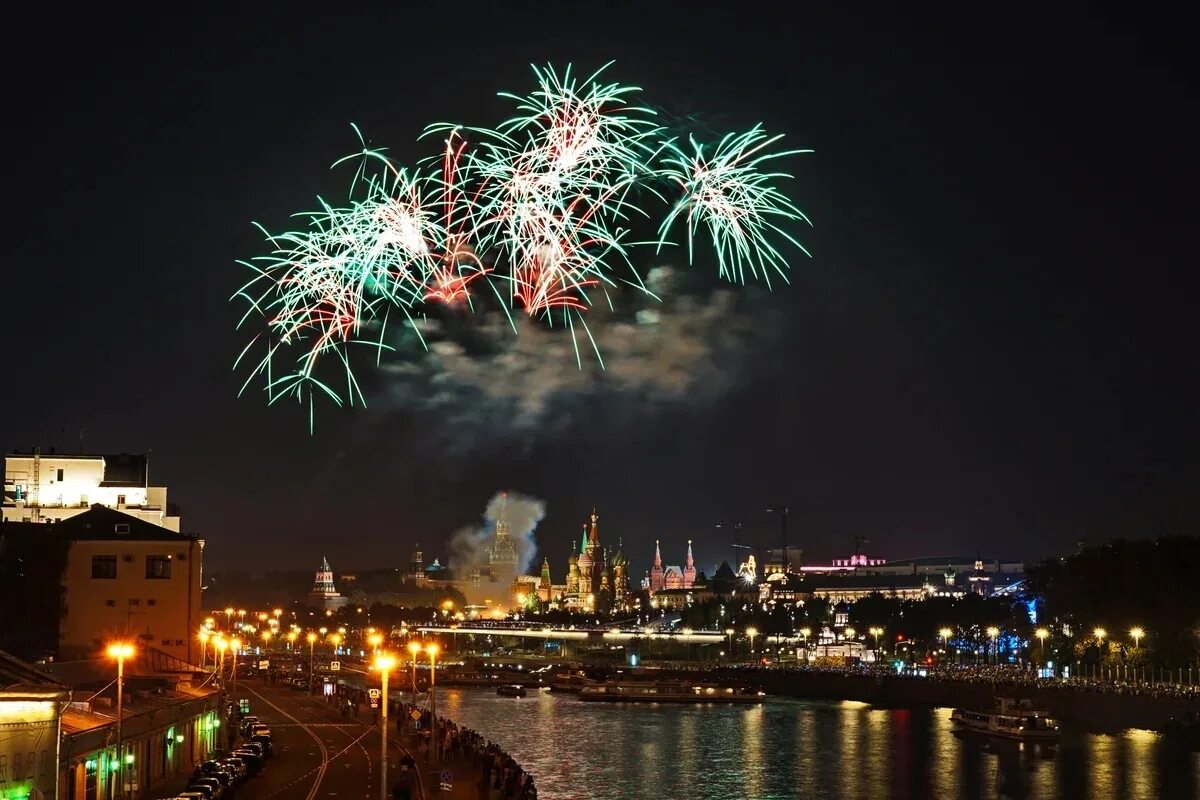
[{"x": 318, "y": 753}]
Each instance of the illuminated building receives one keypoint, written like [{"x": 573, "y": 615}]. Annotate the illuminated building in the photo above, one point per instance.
[
  {"x": 672, "y": 577},
  {"x": 595, "y": 579},
  {"x": 323, "y": 593},
  {"x": 54, "y": 487},
  {"x": 31, "y": 706}
]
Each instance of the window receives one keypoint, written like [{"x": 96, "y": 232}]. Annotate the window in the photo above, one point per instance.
[
  {"x": 121, "y": 527},
  {"x": 151, "y": 602},
  {"x": 166, "y": 642},
  {"x": 17, "y": 764},
  {"x": 104, "y": 567},
  {"x": 158, "y": 567},
  {"x": 60, "y": 474},
  {"x": 120, "y": 500},
  {"x": 30, "y": 765},
  {"x": 133, "y": 601},
  {"x": 110, "y": 603}
]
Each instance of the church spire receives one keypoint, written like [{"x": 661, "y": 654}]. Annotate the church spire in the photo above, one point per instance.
[
  {"x": 594, "y": 538},
  {"x": 689, "y": 571},
  {"x": 657, "y": 555}
]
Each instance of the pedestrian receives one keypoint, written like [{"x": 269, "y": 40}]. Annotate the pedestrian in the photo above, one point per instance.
[{"x": 402, "y": 789}]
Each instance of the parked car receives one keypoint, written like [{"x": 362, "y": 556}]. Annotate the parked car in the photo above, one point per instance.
[
  {"x": 218, "y": 790},
  {"x": 263, "y": 738}
]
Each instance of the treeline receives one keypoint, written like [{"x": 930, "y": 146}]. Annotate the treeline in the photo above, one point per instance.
[{"x": 1122, "y": 585}]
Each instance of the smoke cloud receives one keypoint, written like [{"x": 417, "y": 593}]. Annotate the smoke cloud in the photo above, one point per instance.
[
  {"x": 469, "y": 546},
  {"x": 689, "y": 348}
]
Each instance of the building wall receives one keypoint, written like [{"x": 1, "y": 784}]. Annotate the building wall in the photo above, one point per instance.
[
  {"x": 28, "y": 747},
  {"x": 86, "y": 763},
  {"x": 163, "y": 613},
  {"x": 78, "y": 490}
]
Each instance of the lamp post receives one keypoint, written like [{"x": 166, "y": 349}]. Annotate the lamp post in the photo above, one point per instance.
[
  {"x": 1137, "y": 633},
  {"x": 751, "y": 632},
  {"x": 414, "y": 649},
  {"x": 1100, "y": 633},
  {"x": 228, "y": 618},
  {"x": 876, "y": 632},
  {"x": 994, "y": 634},
  {"x": 312, "y": 639},
  {"x": 384, "y": 663},
  {"x": 1041, "y": 634},
  {"x": 204, "y": 636},
  {"x": 946, "y": 633},
  {"x": 235, "y": 644},
  {"x": 729, "y": 632},
  {"x": 805, "y": 633},
  {"x": 432, "y": 649},
  {"x": 375, "y": 639},
  {"x": 120, "y": 651}
]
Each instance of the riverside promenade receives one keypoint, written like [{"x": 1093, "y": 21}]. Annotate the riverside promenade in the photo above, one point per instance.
[
  {"x": 1099, "y": 706},
  {"x": 460, "y": 764}
]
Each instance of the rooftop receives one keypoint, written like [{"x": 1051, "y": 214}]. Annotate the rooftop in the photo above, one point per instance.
[{"x": 120, "y": 469}]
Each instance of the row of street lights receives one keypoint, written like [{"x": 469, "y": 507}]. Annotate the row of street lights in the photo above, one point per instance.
[{"x": 384, "y": 663}]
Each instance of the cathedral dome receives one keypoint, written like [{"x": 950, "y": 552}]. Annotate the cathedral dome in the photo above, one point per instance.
[{"x": 585, "y": 560}]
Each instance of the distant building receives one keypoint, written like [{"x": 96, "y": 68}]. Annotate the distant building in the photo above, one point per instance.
[
  {"x": 53, "y": 487},
  {"x": 323, "y": 593},
  {"x": 671, "y": 577},
  {"x": 596, "y": 579}
]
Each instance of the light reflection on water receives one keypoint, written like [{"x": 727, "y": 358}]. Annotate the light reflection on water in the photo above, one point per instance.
[{"x": 796, "y": 748}]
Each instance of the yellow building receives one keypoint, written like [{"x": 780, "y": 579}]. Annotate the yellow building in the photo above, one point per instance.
[
  {"x": 128, "y": 578},
  {"x": 31, "y": 706}
]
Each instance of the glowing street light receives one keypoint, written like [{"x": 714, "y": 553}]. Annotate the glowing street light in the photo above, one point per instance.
[
  {"x": 1041, "y": 634},
  {"x": 1100, "y": 633},
  {"x": 204, "y": 636},
  {"x": 228, "y": 618},
  {"x": 729, "y": 632},
  {"x": 876, "y": 631},
  {"x": 375, "y": 639},
  {"x": 385, "y": 664},
  {"x": 751, "y": 632},
  {"x": 120, "y": 651},
  {"x": 312, "y": 640},
  {"x": 1137, "y": 633},
  {"x": 849, "y": 633},
  {"x": 432, "y": 650},
  {"x": 414, "y": 649},
  {"x": 994, "y": 634}
]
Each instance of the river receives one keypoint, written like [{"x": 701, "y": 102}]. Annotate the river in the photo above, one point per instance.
[{"x": 804, "y": 749}]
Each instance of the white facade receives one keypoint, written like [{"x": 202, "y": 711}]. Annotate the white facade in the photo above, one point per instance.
[{"x": 50, "y": 488}]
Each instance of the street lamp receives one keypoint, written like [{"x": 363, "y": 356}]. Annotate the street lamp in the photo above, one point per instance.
[
  {"x": 385, "y": 664},
  {"x": 266, "y": 637},
  {"x": 432, "y": 649},
  {"x": 751, "y": 632},
  {"x": 235, "y": 644},
  {"x": 336, "y": 640},
  {"x": 1137, "y": 633},
  {"x": 291, "y": 637},
  {"x": 876, "y": 632},
  {"x": 312, "y": 640},
  {"x": 414, "y": 649},
  {"x": 946, "y": 633},
  {"x": 204, "y": 637},
  {"x": 120, "y": 651},
  {"x": 375, "y": 639},
  {"x": 729, "y": 632},
  {"x": 228, "y": 618},
  {"x": 994, "y": 634},
  {"x": 1041, "y": 634}
]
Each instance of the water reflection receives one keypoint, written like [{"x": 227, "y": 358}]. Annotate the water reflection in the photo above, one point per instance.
[{"x": 791, "y": 748}]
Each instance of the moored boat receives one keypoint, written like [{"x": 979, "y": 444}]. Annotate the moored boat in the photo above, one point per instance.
[
  {"x": 1012, "y": 719},
  {"x": 511, "y": 690},
  {"x": 667, "y": 692}
]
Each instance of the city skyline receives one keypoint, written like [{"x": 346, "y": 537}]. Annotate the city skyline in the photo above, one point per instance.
[{"x": 986, "y": 352}]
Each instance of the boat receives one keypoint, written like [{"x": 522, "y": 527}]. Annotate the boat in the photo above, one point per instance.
[
  {"x": 568, "y": 682},
  {"x": 511, "y": 690},
  {"x": 1012, "y": 719},
  {"x": 667, "y": 692}
]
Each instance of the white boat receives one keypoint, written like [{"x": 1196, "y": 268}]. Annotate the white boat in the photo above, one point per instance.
[{"x": 1013, "y": 719}]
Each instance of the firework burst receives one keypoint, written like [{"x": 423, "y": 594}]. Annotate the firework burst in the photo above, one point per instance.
[{"x": 533, "y": 216}]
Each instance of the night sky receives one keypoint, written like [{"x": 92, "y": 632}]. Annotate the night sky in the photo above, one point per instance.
[{"x": 992, "y": 349}]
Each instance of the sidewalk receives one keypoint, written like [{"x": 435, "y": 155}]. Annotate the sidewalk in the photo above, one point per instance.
[{"x": 464, "y": 774}]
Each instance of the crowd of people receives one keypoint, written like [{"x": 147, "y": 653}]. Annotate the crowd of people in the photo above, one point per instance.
[
  {"x": 496, "y": 775},
  {"x": 1001, "y": 674}
]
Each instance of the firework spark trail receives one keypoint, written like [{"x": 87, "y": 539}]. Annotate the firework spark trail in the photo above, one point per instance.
[
  {"x": 736, "y": 201},
  {"x": 538, "y": 210}
]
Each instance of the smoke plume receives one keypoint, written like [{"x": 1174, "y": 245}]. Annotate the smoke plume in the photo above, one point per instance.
[
  {"x": 689, "y": 348},
  {"x": 469, "y": 546}
]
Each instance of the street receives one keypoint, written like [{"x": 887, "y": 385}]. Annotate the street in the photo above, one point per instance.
[{"x": 318, "y": 753}]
